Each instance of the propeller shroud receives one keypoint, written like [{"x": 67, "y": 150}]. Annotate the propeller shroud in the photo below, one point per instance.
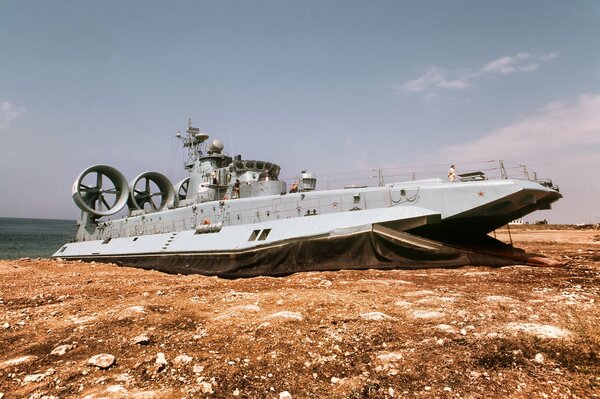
[
  {"x": 100, "y": 190},
  {"x": 144, "y": 190}
]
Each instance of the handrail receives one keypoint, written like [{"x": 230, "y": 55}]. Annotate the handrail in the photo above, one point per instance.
[{"x": 496, "y": 168}]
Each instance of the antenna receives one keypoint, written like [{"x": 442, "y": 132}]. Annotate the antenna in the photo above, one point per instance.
[
  {"x": 193, "y": 142},
  {"x": 379, "y": 177},
  {"x": 502, "y": 170}
]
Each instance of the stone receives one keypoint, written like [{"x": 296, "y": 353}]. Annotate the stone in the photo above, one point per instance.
[
  {"x": 182, "y": 359},
  {"x": 5, "y": 326},
  {"x": 389, "y": 357},
  {"x": 61, "y": 350},
  {"x": 540, "y": 330},
  {"x": 206, "y": 387},
  {"x": 235, "y": 393},
  {"x": 198, "y": 369},
  {"x": 102, "y": 361},
  {"x": 142, "y": 339},
  {"x": 325, "y": 283},
  {"x": 375, "y": 316},
  {"x": 161, "y": 361},
  {"x": 539, "y": 358},
  {"x": 33, "y": 378},
  {"x": 285, "y": 395},
  {"x": 285, "y": 315},
  {"x": 423, "y": 314},
  {"x": 335, "y": 380}
]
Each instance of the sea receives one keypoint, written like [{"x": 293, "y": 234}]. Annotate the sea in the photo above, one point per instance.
[{"x": 33, "y": 238}]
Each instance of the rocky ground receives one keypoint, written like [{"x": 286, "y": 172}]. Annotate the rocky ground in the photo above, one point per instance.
[{"x": 77, "y": 330}]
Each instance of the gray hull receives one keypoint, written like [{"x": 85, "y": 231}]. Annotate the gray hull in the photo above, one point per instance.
[{"x": 403, "y": 225}]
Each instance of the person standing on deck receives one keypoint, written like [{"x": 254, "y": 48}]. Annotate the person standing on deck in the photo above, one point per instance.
[
  {"x": 236, "y": 188},
  {"x": 452, "y": 173}
]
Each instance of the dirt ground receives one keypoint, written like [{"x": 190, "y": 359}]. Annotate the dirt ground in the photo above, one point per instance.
[{"x": 471, "y": 332}]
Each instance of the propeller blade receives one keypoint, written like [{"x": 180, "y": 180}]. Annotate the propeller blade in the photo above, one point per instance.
[{"x": 90, "y": 199}]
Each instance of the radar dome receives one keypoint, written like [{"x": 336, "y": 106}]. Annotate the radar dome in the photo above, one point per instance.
[{"x": 216, "y": 146}]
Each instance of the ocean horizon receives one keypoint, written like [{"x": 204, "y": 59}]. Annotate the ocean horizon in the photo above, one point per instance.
[{"x": 33, "y": 238}]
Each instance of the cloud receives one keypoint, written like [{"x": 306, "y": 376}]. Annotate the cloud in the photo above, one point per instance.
[
  {"x": 434, "y": 77},
  {"x": 557, "y": 128},
  {"x": 560, "y": 140},
  {"x": 439, "y": 78},
  {"x": 8, "y": 112},
  {"x": 549, "y": 57},
  {"x": 522, "y": 62}
]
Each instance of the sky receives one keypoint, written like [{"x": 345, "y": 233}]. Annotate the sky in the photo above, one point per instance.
[{"x": 341, "y": 88}]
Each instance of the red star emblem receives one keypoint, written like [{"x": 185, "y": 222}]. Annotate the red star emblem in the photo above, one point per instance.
[{"x": 481, "y": 193}]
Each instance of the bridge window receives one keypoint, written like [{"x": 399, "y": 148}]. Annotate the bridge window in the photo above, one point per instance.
[
  {"x": 254, "y": 235},
  {"x": 261, "y": 234},
  {"x": 264, "y": 234}
]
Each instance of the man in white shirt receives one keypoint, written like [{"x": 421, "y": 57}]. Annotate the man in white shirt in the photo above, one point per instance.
[{"x": 452, "y": 173}]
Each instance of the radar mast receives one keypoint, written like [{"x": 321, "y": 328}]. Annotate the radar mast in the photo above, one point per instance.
[{"x": 194, "y": 142}]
